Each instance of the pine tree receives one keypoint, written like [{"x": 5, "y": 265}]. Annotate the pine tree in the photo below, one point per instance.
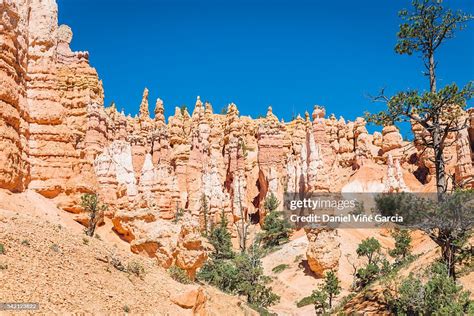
[
  {"x": 221, "y": 239},
  {"x": 424, "y": 29},
  {"x": 276, "y": 229},
  {"x": 332, "y": 286}
]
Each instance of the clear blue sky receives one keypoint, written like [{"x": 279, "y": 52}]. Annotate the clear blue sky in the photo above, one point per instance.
[{"x": 290, "y": 54}]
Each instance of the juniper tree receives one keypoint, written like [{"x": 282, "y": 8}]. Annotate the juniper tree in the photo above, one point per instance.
[
  {"x": 369, "y": 248},
  {"x": 440, "y": 295},
  {"x": 439, "y": 112},
  {"x": 402, "y": 244},
  {"x": 319, "y": 298},
  {"x": 252, "y": 282}
]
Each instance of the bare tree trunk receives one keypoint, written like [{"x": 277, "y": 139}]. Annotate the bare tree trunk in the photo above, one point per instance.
[
  {"x": 243, "y": 229},
  {"x": 441, "y": 184},
  {"x": 438, "y": 147},
  {"x": 448, "y": 254},
  {"x": 242, "y": 232},
  {"x": 447, "y": 247},
  {"x": 92, "y": 224},
  {"x": 432, "y": 67}
]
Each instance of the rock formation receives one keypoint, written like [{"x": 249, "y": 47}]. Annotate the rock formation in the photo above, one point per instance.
[
  {"x": 56, "y": 137},
  {"x": 46, "y": 92},
  {"x": 323, "y": 250},
  {"x": 394, "y": 181},
  {"x": 194, "y": 299}
]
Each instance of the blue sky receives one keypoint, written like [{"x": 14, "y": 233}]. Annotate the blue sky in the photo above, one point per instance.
[{"x": 288, "y": 54}]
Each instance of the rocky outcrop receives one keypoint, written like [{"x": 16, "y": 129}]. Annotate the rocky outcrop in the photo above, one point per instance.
[
  {"x": 59, "y": 139},
  {"x": 179, "y": 244},
  {"x": 394, "y": 181},
  {"x": 191, "y": 249},
  {"x": 391, "y": 138},
  {"x": 464, "y": 169},
  {"x": 194, "y": 299},
  {"x": 323, "y": 251}
]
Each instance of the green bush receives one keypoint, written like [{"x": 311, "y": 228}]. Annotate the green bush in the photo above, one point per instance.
[
  {"x": 179, "y": 275},
  {"x": 369, "y": 248},
  {"x": 241, "y": 275},
  {"x": 367, "y": 274},
  {"x": 376, "y": 265},
  {"x": 2, "y": 249},
  {"x": 320, "y": 299},
  {"x": 279, "y": 268},
  {"x": 251, "y": 282},
  {"x": 221, "y": 273},
  {"x": 332, "y": 286},
  {"x": 262, "y": 311},
  {"x": 402, "y": 244},
  {"x": 136, "y": 268},
  {"x": 440, "y": 295},
  {"x": 238, "y": 274},
  {"x": 117, "y": 263},
  {"x": 411, "y": 297},
  {"x": 308, "y": 300},
  {"x": 271, "y": 203}
]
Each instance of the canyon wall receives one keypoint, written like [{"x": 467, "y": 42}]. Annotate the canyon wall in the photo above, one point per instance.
[
  {"x": 14, "y": 166},
  {"x": 45, "y": 92}
]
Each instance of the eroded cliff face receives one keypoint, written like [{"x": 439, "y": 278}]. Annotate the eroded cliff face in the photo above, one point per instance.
[
  {"x": 46, "y": 89},
  {"x": 58, "y": 138},
  {"x": 14, "y": 166}
]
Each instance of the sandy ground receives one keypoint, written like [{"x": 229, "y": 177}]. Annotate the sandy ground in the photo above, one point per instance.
[{"x": 49, "y": 260}]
